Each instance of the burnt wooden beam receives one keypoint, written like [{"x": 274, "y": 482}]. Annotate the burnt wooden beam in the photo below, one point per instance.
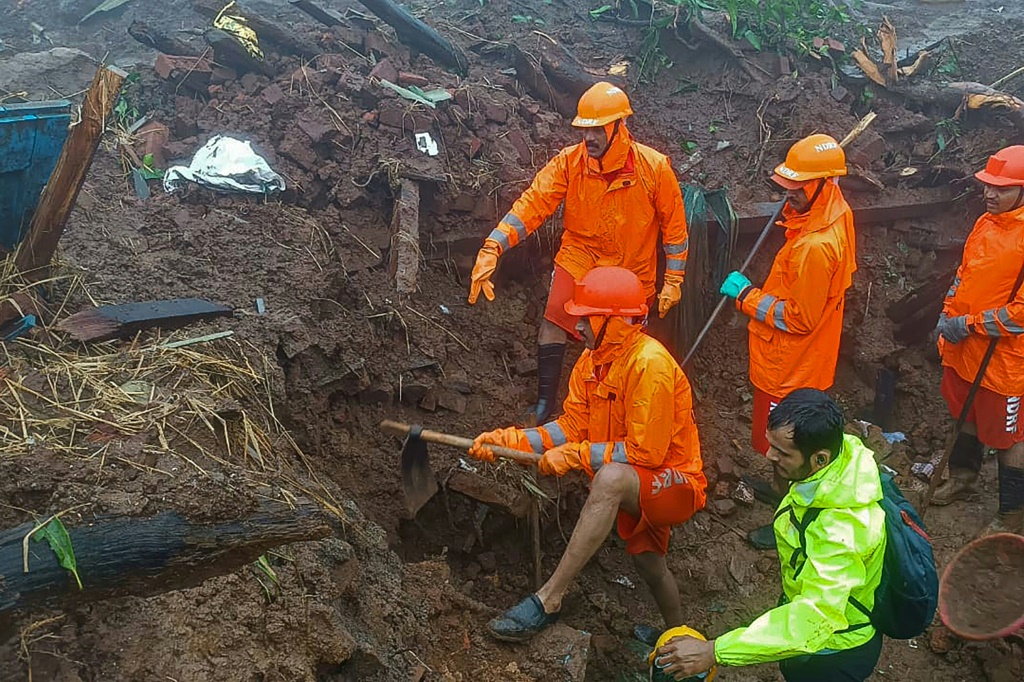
[
  {"x": 327, "y": 17},
  {"x": 415, "y": 33},
  {"x": 119, "y": 321},
  {"x": 61, "y": 192},
  {"x": 160, "y": 41},
  {"x": 552, "y": 74},
  {"x": 122, "y": 556},
  {"x": 269, "y": 31},
  {"x": 229, "y": 52}
]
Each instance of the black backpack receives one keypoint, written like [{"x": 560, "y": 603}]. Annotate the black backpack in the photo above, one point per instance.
[{"x": 908, "y": 594}]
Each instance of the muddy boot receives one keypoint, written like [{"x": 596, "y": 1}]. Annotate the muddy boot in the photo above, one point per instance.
[
  {"x": 1005, "y": 522},
  {"x": 959, "y": 486},
  {"x": 549, "y": 373},
  {"x": 1010, "y": 518}
]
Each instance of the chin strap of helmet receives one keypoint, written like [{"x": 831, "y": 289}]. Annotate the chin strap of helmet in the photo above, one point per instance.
[
  {"x": 817, "y": 193},
  {"x": 599, "y": 337}
]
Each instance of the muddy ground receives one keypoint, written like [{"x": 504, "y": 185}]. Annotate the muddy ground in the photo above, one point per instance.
[{"x": 397, "y": 599}]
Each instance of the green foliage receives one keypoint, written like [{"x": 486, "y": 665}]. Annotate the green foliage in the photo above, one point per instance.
[
  {"x": 769, "y": 24},
  {"x": 56, "y": 535}
]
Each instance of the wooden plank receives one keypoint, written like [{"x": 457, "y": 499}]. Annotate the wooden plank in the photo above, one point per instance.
[
  {"x": 123, "y": 556},
  {"x": 61, "y": 192},
  {"x": 120, "y": 321},
  {"x": 404, "y": 258},
  {"x": 159, "y": 41},
  {"x": 752, "y": 222}
]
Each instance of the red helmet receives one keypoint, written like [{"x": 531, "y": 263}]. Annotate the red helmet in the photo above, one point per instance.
[
  {"x": 608, "y": 290},
  {"x": 1005, "y": 168}
]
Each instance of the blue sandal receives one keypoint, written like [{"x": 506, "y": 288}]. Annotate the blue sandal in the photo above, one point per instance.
[{"x": 522, "y": 621}]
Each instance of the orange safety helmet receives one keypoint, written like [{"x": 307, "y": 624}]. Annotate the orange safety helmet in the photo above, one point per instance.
[
  {"x": 600, "y": 105},
  {"x": 608, "y": 290},
  {"x": 1005, "y": 168},
  {"x": 816, "y": 156}
]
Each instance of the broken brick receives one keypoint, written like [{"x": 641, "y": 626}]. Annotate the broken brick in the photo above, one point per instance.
[
  {"x": 522, "y": 147},
  {"x": 495, "y": 113},
  {"x": 429, "y": 402},
  {"x": 250, "y": 83},
  {"x": 154, "y": 137},
  {"x": 317, "y": 130},
  {"x": 724, "y": 507},
  {"x": 385, "y": 71},
  {"x": 376, "y": 42},
  {"x": 475, "y": 145},
  {"x": 726, "y": 468},
  {"x": 191, "y": 72},
  {"x": 530, "y": 111},
  {"x": 406, "y": 78}
]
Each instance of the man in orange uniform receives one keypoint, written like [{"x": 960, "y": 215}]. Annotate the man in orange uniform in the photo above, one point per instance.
[
  {"x": 797, "y": 316},
  {"x": 628, "y": 424},
  {"x": 621, "y": 199},
  {"x": 986, "y": 303}
]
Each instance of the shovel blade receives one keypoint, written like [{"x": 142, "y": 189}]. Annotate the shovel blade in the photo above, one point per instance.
[{"x": 418, "y": 480}]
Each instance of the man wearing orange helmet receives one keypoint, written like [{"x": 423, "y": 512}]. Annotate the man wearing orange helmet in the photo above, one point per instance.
[
  {"x": 986, "y": 302},
  {"x": 628, "y": 424},
  {"x": 621, "y": 199},
  {"x": 797, "y": 316}
]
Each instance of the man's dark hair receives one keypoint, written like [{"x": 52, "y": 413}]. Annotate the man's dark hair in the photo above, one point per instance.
[{"x": 816, "y": 420}]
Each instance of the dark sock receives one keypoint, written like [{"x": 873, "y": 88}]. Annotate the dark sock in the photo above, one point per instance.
[
  {"x": 968, "y": 453},
  {"x": 1011, "y": 488}
]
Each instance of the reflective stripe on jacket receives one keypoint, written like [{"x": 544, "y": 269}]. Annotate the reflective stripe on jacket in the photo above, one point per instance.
[
  {"x": 797, "y": 316},
  {"x": 845, "y": 549},
  {"x": 639, "y": 412},
  {"x": 617, "y": 209},
  {"x": 993, "y": 257}
]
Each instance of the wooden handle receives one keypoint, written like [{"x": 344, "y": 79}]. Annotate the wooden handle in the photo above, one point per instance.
[{"x": 402, "y": 430}]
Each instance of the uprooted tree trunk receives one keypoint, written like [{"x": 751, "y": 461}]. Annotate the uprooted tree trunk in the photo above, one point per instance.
[
  {"x": 268, "y": 31},
  {"x": 553, "y": 75},
  {"x": 954, "y": 97},
  {"x": 122, "y": 556}
]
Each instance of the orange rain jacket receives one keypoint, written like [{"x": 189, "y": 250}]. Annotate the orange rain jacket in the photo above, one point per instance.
[
  {"x": 615, "y": 208},
  {"x": 993, "y": 257},
  {"x": 639, "y": 412},
  {"x": 797, "y": 316}
]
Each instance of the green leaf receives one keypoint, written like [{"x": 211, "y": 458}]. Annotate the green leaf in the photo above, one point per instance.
[
  {"x": 595, "y": 13},
  {"x": 264, "y": 565},
  {"x": 753, "y": 39},
  {"x": 56, "y": 535},
  {"x": 521, "y": 18}
]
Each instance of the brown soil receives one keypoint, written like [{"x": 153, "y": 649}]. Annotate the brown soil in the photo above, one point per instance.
[
  {"x": 986, "y": 592},
  {"x": 390, "y": 598}
]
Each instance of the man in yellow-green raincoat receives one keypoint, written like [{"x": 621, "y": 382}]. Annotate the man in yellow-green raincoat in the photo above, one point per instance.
[{"x": 831, "y": 540}]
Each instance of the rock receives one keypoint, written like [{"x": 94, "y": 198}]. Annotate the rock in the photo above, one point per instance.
[
  {"x": 316, "y": 128},
  {"x": 526, "y": 367},
  {"x": 562, "y": 651},
  {"x": 724, "y": 507},
  {"x": 376, "y": 395},
  {"x": 385, "y": 70},
  {"x": 743, "y": 494},
  {"x": 726, "y": 468},
  {"x": 250, "y": 83},
  {"x": 406, "y": 78},
  {"x": 488, "y": 562},
  {"x": 452, "y": 401},
  {"x": 722, "y": 490},
  {"x": 940, "y": 640},
  {"x": 272, "y": 94},
  {"x": 65, "y": 70},
  {"x": 413, "y": 393},
  {"x": 429, "y": 401},
  {"x": 530, "y": 111},
  {"x": 867, "y": 149}
]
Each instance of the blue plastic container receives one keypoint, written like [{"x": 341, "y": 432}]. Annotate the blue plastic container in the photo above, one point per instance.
[{"x": 31, "y": 138}]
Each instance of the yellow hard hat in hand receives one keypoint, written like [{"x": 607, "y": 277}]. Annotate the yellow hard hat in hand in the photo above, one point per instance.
[{"x": 656, "y": 673}]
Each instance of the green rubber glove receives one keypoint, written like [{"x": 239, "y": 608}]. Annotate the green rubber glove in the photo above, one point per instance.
[{"x": 734, "y": 284}]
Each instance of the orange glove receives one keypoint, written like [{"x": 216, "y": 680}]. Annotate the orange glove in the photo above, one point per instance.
[
  {"x": 561, "y": 460},
  {"x": 510, "y": 437},
  {"x": 671, "y": 292},
  {"x": 486, "y": 262}
]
